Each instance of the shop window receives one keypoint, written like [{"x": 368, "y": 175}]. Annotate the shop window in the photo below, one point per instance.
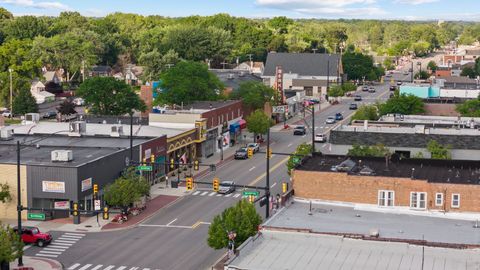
[
  {"x": 418, "y": 200},
  {"x": 386, "y": 198},
  {"x": 455, "y": 200},
  {"x": 439, "y": 199}
]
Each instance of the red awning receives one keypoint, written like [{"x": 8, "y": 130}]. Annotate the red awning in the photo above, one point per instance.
[{"x": 243, "y": 123}]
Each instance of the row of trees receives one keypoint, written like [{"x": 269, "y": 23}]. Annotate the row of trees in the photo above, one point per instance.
[{"x": 437, "y": 151}]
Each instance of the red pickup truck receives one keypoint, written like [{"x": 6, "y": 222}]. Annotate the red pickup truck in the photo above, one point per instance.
[{"x": 32, "y": 235}]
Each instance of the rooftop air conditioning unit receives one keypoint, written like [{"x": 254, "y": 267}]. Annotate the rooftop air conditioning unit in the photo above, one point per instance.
[
  {"x": 116, "y": 131},
  {"x": 62, "y": 155},
  {"x": 32, "y": 118},
  {"x": 77, "y": 128},
  {"x": 6, "y": 134}
]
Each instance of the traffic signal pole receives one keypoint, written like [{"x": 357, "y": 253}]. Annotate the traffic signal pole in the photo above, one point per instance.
[
  {"x": 19, "y": 202},
  {"x": 313, "y": 129},
  {"x": 267, "y": 187}
]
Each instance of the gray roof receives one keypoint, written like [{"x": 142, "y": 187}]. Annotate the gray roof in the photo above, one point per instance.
[
  {"x": 237, "y": 78},
  {"x": 303, "y": 64}
]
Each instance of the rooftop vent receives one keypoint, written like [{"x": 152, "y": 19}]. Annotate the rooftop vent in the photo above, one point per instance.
[
  {"x": 6, "y": 134},
  {"x": 116, "y": 131},
  {"x": 62, "y": 155},
  {"x": 77, "y": 128}
]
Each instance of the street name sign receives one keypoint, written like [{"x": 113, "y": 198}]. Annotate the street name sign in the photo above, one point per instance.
[
  {"x": 36, "y": 216},
  {"x": 144, "y": 168},
  {"x": 249, "y": 193}
]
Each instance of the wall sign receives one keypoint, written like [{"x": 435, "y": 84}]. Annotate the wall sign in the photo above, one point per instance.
[
  {"x": 61, "y": 205},
  {"x": 87, "y": 184},
  {"x": 53, "y": 186}
]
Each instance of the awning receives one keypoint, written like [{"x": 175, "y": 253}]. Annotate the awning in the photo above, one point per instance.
[
  {"x": 243, "y": 123},
  {"x": 234, "y": 127}
]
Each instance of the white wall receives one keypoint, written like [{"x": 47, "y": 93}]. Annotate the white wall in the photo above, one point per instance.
[{"x": 461, "y": 93}]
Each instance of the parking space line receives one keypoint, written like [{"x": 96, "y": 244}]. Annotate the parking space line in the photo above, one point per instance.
[{"x": 170, "y": 223}]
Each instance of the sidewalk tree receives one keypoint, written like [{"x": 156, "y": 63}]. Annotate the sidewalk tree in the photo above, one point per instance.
[
  {"x": 187, "y": 82},
  {"x": 241, "y": 218},
  {"x": 378, "y": 150},
  {"x": 366, "y": 112},
  {"x": 469, "y": 108},
  {"x": 127, "y": 189},
  {"x": 439, "y": 151},
  {"x": 432, "y": 66},
  {"x": 402, "y": 104},
  {"x": 5, "y": 195},
  {"x": 258, "y": 122},
  {"x": 24, "y": 103},
  {"x": 67, "y": 107},
  {"x": 253, "y": 94},
  {"x": 422, "y": 75},
  {"x": 11, "y": 246},
  {"x": 109, "y": 96},
  {"x": 302, "y": 150}
]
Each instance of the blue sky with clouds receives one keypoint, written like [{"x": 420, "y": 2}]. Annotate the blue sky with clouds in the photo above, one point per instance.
[{"x": 375, "y": 9}]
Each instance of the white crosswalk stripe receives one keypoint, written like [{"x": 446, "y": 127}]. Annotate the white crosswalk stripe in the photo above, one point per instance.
[
  {"x": 85, "y": 267},
  {"x": 74, "y": 266},
  {"x": 196, "y": 192},
  {"x": 121, "y": 267},
  {"x": 229, "y": 194},
  {"x": 46, "y": 255},
  {"x": 211, "y": 194},
  {"x": 60, "y": 245},
  {"x": 236, "y": 195},
  {"x": 76, "y": 234},
  {"x": 215, "y": 194},
  {"x": 109, "y": 267},
  {"x": 100, "y": 267},
  {"x": 219, "y": 195},
  {"x": 50, "y": 252},
  {"x": 97, "y": 267},
  {"x": 204, "y": 193}
]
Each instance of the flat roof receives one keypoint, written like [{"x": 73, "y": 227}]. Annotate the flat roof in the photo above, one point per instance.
[
  {"x": 415, "y": 129},
  {"x": 431, "y": 170}
]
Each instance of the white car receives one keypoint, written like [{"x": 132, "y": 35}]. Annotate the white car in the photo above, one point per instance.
[
  {"x": 330, "y": 120},
  {"x": 254, "y": 146},
  {"x": 320, "y": 138},
  {"x": 7, "y": 114}
]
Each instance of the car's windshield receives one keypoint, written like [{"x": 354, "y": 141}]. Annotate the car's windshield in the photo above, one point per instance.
[
  {"x": 34, "y": 231},
  {"x": 225, "y": 184},
  {"x": 242, "y": 150}
]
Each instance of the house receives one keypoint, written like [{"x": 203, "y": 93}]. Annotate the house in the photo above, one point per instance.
[
  {"x": 307, "y": 72},
  {"x": 40, "y": 94},
  {"x": 52, "y": 82},
  {"x": 251, "y": 67},
  {"x": 100, "y": 71},
  {"x": 472, "y": 54},
  {"x": 444, "y": 71}
]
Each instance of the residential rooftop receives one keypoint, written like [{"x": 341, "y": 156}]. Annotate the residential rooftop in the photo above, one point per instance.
[
  {"x": 428, "y": 119},
  {"x": 233, "y": 78},
  {"x": 303, "y": 64}
]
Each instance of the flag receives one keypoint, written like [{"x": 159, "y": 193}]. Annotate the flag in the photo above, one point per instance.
[{"x": 183, "y": 159}]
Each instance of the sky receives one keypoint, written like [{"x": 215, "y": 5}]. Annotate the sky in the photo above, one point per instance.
[{"x": 466, "y": 10}]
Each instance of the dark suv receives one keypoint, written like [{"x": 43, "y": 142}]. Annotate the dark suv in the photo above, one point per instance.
[
  {"x": 299, "y": 130},
  {"x": 241, "y": 153},
  {"x": 32, "y": 235}
]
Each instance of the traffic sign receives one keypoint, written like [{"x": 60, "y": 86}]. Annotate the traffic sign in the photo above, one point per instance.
[
  {"x": 144, "y": 168},
  {"x": 97, "y": 205},
  {"x": 296, "y": 160},
  {"x": 36, "y": 216},
  {"x": 248, "y": 193},
  {"x": 279, "y": 109}
]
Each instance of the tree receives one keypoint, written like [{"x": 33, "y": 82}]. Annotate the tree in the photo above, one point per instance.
[
  {"x": 254, "y": 94},
  {"x": 5, "y": 14},
  {"x": 5, "y": 195},
  {"x": 335, "y": 91},
  {"x": 388, "y": 64},
  {"x": 24, "y": 103},
  {"x": 402, "y": 104},
  {"x": 258, "y": 122},
  {"x": 357, "y": 66},
  {"x": 468, "y": 72},
  {"x": 366, "y": 112},
  {"x": 242, "y": 218},
  {"x": 127, "y": 189},
  {"x": 378, "y": 150},
  {"x": 67, "y": 107},
  {"x": 26, "y": 27},
  {"x": 423, "y": 75},
  {"x": 188, "y": 82},
  {"x": 155, "y": 63},
  {"x": 432, "y": 66},
  {"x": 439, "y": 151},
  {"x": 469, "y": 108},
  {"x": 302, "y": 150},
  {"x": 11, "y": 246},
  {"x": 280, "y": 24},
  {"x": 109, "y": 96}
]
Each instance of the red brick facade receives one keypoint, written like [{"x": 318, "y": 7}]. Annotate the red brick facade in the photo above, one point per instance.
[
  {"x": 341, "y": 187},
  {"x": 146, "y": 95},
  {"x": 218, "y": 116},
  {"x": 449, "y": 60}
]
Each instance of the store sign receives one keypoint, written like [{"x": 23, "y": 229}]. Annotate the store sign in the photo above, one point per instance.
[
  {"x": 61, "y": 205},
  {"x": 53, "y": 186},
  {"x": 279, "y": 109},
  {"x": 87, "y": 184},
  {"x": 201, "y": 126}
]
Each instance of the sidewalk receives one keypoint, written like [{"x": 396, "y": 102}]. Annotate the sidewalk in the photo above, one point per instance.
[{"x": 37, "y": 263}]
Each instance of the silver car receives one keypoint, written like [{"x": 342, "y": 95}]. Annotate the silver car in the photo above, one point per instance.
[
  {"x": 226, "y": 187},
  {"x": 330, "y": 120},
  {"x": 254, "y": 146}
]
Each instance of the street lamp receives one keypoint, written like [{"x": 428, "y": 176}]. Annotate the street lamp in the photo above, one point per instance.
[
  {"x": 10, "y": 70},
  {"x": 420, "y": 65}
]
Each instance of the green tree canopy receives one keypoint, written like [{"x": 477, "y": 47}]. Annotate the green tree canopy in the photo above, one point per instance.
[
  {"x": 24, "y": 103},
  {"x": 468, "y": 72},
  {"x": 188, "y": 82},
  {"x": 366, "y": 112},
  {"x": 67, "y": 107},
  {"x": 26, "y": 27},
  {"x": 422, "y": 75},
  {"x": 470, "y": 108},
  {"x": 402, "y": 104},
  {"x": 258, "y": 122},
  {"x": 302, "y": 150},
  {"x": 5, "y": 195},
  {"x": 439, "y": 151},
  {"x": 109, "y": 96},
  {"x": 432, "y": 66},
  {"x": 254, "y": 94},
  {"x": 357, "y": 66},
  {"x": 127, "y": 189},
  {"x": 11, "y": 246},
  {"x": 378, "y": 150},
  {"x": 155, "y": 63},
  {"x": 242, "y": 218}
]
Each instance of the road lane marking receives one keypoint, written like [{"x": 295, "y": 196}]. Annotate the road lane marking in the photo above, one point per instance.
[
  {"x": 251, "y": 169},
  {"x": 324, "y": 146},
  {"x": 274, "y": 184},
  {"x": 211, "y": 194},
  {"x": 59, "y": 240},
  {"x": 198, "y": 223},
  {"x": 97, "y": 267},
  {"x": 273, "y": 155},
  {"x": 46, "y": 255},
  {"x": 71, "y": 237},
  {"x": 170, "y": 223},
  {"x": 204, "y": 193},
  {"x": 55, "y": 249},
  {"x": 289, "y": 145},
  {"x": 229, "y": 194},
  {"x": 304, "y": 136},
  {"x": 74, "y": 266},
  {"x": 50, "y": 252},
  {"x": 109, "y": 267},
  {"x": 164, "y": 226},
  {"x": 196, "y": 192},
  {"x": 271, "y": 170},
  {"x": 76, "y": 234},
  {"x": 86, "y": 266},
  {"x": 134, "y": 268},
  {"x": 236, "y": 195},
  {"x": 60, "y": 244},
  {"x": 219, "y": 195},
  {"x": 121, "y": 267}
]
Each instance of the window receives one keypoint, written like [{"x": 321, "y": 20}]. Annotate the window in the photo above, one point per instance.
[
  {"x": 455, "y": 200},
  {"x": 308, "y": 90},
  {"x": 439, "y": 199},
  {"x": 418, "y": 199},
  {"x": 386, "y": 198}
]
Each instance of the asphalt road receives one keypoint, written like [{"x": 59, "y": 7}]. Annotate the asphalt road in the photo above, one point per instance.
[{"x": 175, "y": 237}]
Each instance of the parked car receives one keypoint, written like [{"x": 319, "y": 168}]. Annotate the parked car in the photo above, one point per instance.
[
  {"x": 314, "y": 101},
  {"x": 226, "y": 187},
  {"x": 399, "y": 83},
  {"x": 338, "y": 116},
  {"x": 330, "y": 120},
  {"x": 371, "y": 89},
  {"x": 393, "y": 88},
  {"x": 241, "y": 153},
  {"x": 365, "y": 88},
  {"x": 7, "y": 114},
  {"x": 353, "y": 106},
  {"x": 299, "y": 130},
  {"x": 254, "y": 146},
  {"x": 320, "y": 138},
  {"x": 32, "y": 235},
  {"x": 49, "y": 115},
  {"x": 357, "y": 98}
]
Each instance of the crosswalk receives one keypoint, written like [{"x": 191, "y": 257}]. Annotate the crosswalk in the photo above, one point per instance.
[
  {"x": 211, "y": 194},
  {"x": 79, "y": 266},
  {"x": 59, "y": 245}
]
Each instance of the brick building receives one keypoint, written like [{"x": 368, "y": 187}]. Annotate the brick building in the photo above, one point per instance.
[{"x": 436, "y": 185}]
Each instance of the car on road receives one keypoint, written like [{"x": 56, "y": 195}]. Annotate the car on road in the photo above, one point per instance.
[
  {"x": 330, "y": 120},
  {"x": 32, "y": 235},
  {"x": 353, "y": 106},
  {"x": 399, "y": 83},
  {"x": 49, "y": 115},
  {"x": 254, "y": 146},
  {"x": 371, "y": 89},
  {"x": 320, "y": 138},
  {"x": 7, "y": 114},
  {"x": 338, "y": 116},
  {"x": 241, "y": 153},
  {"x": 393, "y": 88},
  {"x": 365, "y": 88},
  {"x": 299, "y": 130},
  {"x": 357, "y": 98},
  {"x": 226, "y": 187}
]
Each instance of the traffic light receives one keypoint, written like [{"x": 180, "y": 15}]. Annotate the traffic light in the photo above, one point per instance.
[
  {"x": 251, "y": 198},
  {"x": 152, "y": 158},
  {"x": 172, "y": 164},
  {"x": 105, "y": 213},
  {"x": 284, "y": 187},
  {"x": 263, "y": 201},
  {"x": 95, "y": 188},
  {"x": 144, "y": 160},
  {"x": 189, "y": 183},
  {"x": 269, "y": 154},
  {"x": 216, "y": 184},
  {"x": 196, "y": 165},
  {"x": 75, "y": 209},
  {"x": 250, "y": 152}
]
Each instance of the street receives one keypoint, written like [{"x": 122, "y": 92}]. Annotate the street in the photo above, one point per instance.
[{"x": 175, "y": 237}]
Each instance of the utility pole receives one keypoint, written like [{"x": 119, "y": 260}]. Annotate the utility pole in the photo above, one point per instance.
[
  {"x": 313, "y": 129},
  {"x": 83, "y": 70},
  {"x": 11, "y": 90},
  {"x": 267, "y": 187},
  {"x": 131, "y": 136},
  {"x": 411, "y": 75},
  {"x": 19, "y": 202},
  {"x": 315, "y": 50}
]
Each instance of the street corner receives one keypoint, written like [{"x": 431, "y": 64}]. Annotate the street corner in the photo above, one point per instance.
[
  {"x": 37, "y": 264},
  {"x": 153, "y": 206}
]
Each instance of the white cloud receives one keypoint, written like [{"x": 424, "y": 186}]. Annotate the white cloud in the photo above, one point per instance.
[
  {"x": 313, "y": 3},
  {"x": 415, "y": 2},
  {"x": 39, "y": 5}
]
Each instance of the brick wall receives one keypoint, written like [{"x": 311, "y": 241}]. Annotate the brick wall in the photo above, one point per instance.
[
  {"x": 146, "y": 95},
  {"x": 8, "y": 175},
  {"x": 341, "y": 187},
  {"x": 227, "y": 113}
]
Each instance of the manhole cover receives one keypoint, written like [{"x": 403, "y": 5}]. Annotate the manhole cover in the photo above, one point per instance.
[{"x": 88, "y": 226}]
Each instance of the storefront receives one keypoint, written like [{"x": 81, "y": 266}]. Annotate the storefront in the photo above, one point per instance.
[{"x": 182, "y": 148}]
